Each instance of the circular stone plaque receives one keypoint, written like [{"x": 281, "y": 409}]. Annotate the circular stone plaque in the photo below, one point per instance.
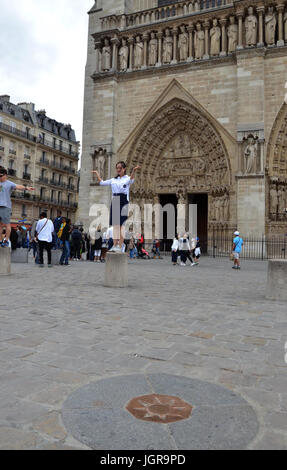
[{"x": 158, "y": 411}]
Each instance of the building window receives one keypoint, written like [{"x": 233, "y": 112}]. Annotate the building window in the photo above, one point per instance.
[
  {"x": 54, "y": 142},
  {"x": 61, "y": 145},
  {"x": 24, "y": 213}
]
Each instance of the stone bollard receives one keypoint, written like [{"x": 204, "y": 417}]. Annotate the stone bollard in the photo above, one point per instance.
[
  {"x": 5, "y": 261},
  {"x": 277, "y": 280},
  {"x": 56, "y": 256},
  {"x": 20, "y": 255},
  {"x": 116, "y": 272}
]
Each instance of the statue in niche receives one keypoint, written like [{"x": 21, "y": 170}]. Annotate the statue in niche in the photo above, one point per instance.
[
  {"x": 251, "y": 28},
  {"x": 100, "y": 162},
  {"x": 198, "y": 42},
  {"x": 232, "y": 34},
  {"x": 225, "y": 207},
  {"x": 124, "y": 56},
  {"x": 106, "y": 56},
  {"x": 183, "y": 44},
  {"x": 167, "y": 48},
  {"x": 152, "y": 49},
  {"x": 281, "y": 201},
  {"x": 285, "y": 25},
  {"x": 250, "y": 155},
  {"x": 138, "y": 54},
  {"x": 215, "y": 34},
  {"x": 273, "y": 201},
  {"x": 270, "y": 26}
]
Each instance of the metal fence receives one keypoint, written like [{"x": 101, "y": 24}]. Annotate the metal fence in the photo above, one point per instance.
[{"x": 253, "y": 248}]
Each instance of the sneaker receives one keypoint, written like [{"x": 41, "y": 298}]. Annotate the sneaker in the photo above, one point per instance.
[
  {"x": 234, "y": 267},
  {"x": 116, "y": 249},
  {"x": 182, "y": 264},
  {"x": 40, "y": 265},
  {"x": 50, "y": 266},
  {"x": 193, "y": 264}
]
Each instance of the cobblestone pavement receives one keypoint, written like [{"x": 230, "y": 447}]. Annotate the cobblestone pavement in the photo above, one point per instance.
[{"x": 61, "y": 330}]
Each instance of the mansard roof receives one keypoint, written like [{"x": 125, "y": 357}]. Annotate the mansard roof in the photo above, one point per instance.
[
  {"x": 51, "y": 125},
  {"x": 15, "y": 111}
]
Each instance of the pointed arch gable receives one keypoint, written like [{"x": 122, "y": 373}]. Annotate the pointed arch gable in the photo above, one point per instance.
[{"x": 276, "y": 158}]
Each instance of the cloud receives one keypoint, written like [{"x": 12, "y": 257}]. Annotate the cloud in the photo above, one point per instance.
[{"x": 43, "y": 47}]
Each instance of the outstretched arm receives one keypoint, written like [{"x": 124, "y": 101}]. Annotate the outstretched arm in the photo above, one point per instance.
[
  {"x": 97, "y": 175},
  {"x": 134, "y": 172},
  {"x": 20, "y": 187}
]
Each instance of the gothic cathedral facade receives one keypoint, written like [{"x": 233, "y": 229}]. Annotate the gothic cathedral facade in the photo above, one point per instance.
[{"x": 193, "y": 92}]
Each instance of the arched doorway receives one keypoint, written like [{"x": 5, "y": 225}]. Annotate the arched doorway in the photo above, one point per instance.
[{"x": 183, "y": 155}]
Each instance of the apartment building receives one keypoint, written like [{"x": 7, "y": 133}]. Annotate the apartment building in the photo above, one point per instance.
[{"x": 40, "y": 152}]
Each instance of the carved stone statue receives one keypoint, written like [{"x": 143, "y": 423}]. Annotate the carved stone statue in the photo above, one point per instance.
[
  {"x": 225, "y": 207},
  {"x": 285, "y": 25},
  {"x": 250, "y": 155},
  {"x": 215, "y": 34},
  {"x": 138, "y": 54},
  {"x": 167, "y": 48},
  {"x": 101, "y": 163},
  {"x": 270, "y": 26},
  {"x": 281, "y": 201},
  {"x": 273, "y": 201},
  {"x": 232, "y": 34},
  {"x": 251, "y": 28},
  {"x": 124, "y": 56},
  {"x": 152, "y": 60},
  {"x": 183, "y": 44},
  {"x": 106, "y": 56},
  {"x": 198, "y": 42}
]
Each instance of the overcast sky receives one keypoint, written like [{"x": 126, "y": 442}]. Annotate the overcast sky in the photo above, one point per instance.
[{"x": 43, "y": 48}]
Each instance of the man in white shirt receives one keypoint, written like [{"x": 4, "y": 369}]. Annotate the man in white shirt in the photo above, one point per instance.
[{"x": 44, "y": 232}]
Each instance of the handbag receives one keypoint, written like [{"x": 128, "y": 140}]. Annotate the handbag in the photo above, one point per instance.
[
  {"x": 36, "y": 236},
  {"x": 231, "y": 256}
]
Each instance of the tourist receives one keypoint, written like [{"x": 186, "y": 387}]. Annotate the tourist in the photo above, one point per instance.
[
  {"x": 119, "y": 208},
  {"x": 98, "y": 246},
  {"x": 65, "y": 241},
  {"x": 6, "y": 188},
  {"x": 44, "y": 236},
  {"x": 236, "y": 250},
  {"x": 104, "y": 247},
  {"x": 76, "y": 237},
  {"x": 131, "y": 247},
  {"x": 57, "y": 224},
  {"x": 110, "y": 238},
  {"x": 155, "y": 248},
  {"x": 197, "y": 252},
  {"x": 185, "y": 250},
  {"x": 174, "y": 251}
]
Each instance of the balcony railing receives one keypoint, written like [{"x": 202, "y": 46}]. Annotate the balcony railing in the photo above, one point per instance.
[
  {"x": 44, "y": 161},
  {"x": 12, "y": 152},
  {"x": 28, "y": 157},
  {"x": 43, "y": 180},
  {"x": 15, "y": 131},
  {"x": 2, "y": 148},
  {"x": 26, "y": 176},
  {"x": 11, "y": 172}
]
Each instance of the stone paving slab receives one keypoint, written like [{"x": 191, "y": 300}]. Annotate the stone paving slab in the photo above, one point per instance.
[{"x": 62, "y": 330}]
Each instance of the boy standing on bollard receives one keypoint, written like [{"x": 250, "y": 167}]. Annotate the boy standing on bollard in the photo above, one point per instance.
[{"x": 6, "y": 188}]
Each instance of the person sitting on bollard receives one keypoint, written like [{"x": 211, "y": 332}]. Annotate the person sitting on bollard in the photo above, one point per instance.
[{"x": 119, "y": 208}]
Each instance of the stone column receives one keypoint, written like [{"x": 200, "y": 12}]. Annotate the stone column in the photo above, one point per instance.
[
  {"x": 239, "y": 15},
  {"x": 260, "y": 11},
  {"x": 206, "y": 31},
  {"x": 131, "y": 55},
  {"x": 145, "y": 40},
  {"x": 159, "y": 36},
  {"x": 115, "y": 42},
  {"x": 190, "y": 29},
  {"x": 223, "y": 36},
  {"x": 98, "y": 45},
  {"x": 280, "y": 9},
  {"x": 174, "y": 55}
]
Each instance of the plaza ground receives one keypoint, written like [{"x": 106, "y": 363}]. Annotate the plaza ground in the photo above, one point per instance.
[{"x": 62, "y": 330}]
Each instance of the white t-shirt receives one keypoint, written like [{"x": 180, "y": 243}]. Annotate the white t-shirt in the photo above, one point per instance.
[
  {"x": 119, "y": 185},
  {"x": 45, "y": 234}
]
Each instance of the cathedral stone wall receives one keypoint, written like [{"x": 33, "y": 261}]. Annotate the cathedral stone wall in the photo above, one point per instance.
[{"x": 236, "y": 90}]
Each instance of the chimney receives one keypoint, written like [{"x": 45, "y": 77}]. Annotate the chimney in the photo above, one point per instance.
[
  {"x": 28, "y": 106},
  {"x": 5, "y": 99}
]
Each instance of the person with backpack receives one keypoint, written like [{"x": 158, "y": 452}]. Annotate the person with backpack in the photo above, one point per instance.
[
  {"x": 236, "y": 250},
  {"x": 77, "y": 243},
  {"x": 57, "y": 224}
]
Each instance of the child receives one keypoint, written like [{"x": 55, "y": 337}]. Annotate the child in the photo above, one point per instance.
[{"x": 197, "y": 252}]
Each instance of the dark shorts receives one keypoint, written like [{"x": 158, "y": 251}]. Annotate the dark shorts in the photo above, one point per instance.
[
  {"x": 119, "y": 210},
  {"x": 5, "y": 215}
]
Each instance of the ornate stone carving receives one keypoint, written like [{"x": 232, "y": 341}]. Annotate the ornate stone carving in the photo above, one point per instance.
[
  {"x": 153, "y": 49},
  {"x": 124, "y": 56},
  {"x": 270, "y": 26},
  {"x": 251, "y": 26},
  {"x": 199, "y": 42},
  {"x": 106, "y": 56},
  {"x": 232, "y": 34},
  {"x": 183, "y": 44},
  {"x": 250, "y": 155},
  {"x": 138, "y": 53},
  {"x": 215, "y": 34},
  {"x": 167, "y": 48}
]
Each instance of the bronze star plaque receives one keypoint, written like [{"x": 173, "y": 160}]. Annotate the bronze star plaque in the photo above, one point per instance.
[{"x": 159, "y": 408}]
